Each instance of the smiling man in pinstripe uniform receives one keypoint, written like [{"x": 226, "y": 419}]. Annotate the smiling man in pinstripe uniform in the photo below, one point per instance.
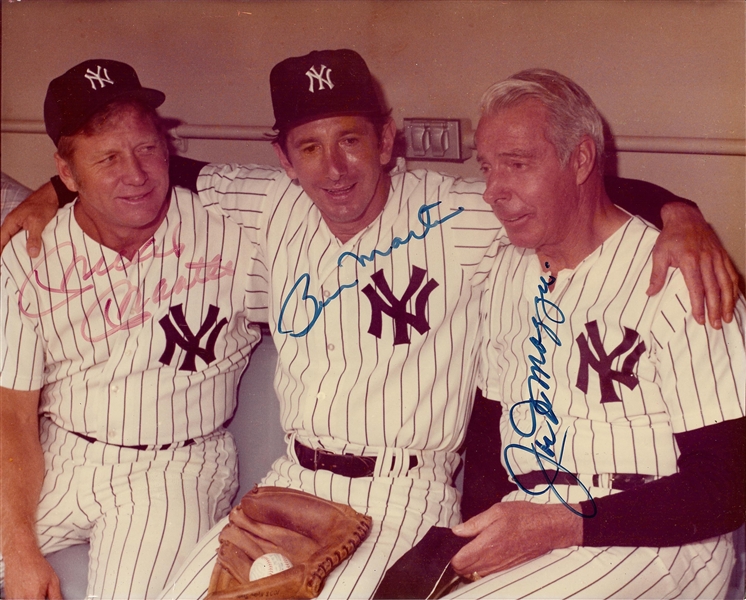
[
  {"x": 622, "y": 419},
  {"x": 122, "y": 347}
]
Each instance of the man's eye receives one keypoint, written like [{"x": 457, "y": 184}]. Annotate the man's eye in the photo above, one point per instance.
[
  {"x": 107, "y": 159},
  {"x": 350, "y": 141},
  {"x": 518, "y": 165},
  {"x": 308, "y": 149},
  {"x": 484, "y": 169}
]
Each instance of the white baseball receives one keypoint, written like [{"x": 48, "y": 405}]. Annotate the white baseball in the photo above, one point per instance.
[{"x": 269, "y": 564}]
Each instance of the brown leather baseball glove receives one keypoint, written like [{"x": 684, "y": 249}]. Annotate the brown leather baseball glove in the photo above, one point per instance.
[{"x": 315, "y": 534}]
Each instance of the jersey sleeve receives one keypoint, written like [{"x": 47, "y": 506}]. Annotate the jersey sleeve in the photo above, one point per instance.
[
  {"x": 485, "y": 481},
  {"x": 477, "y": 234},
  {"x": 21, "y": 343},
  {"x": 702, "y": 370},
  {"x": 244, "y": 193}
]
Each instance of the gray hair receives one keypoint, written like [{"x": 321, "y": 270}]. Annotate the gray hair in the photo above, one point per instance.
[{"x": 572, "y": 113}]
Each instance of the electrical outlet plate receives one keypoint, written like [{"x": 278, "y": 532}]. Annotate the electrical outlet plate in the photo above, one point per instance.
[{"x": 435, "y": 139}]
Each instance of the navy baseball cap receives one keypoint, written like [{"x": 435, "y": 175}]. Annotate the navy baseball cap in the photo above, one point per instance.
[
  {"x": 324, "y": 83},
  {"x": 76, "y": 96}
]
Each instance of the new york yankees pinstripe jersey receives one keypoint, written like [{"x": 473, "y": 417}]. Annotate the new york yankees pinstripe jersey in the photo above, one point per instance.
[
  {"x": 140, "y": 352},
  {"x": 376, "y": 337},
  {"x": 596, "y": 375}
]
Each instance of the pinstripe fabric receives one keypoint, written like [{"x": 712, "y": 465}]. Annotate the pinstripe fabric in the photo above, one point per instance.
[
  {"x": 141, "y": 511},
  {"x": 142, "y": 352},
  {"x": 340, "y": 386},
  {"x": 688, "y": 376},
  {"x": 86, "y": 324},
  {"x": 343, "y": 382}
]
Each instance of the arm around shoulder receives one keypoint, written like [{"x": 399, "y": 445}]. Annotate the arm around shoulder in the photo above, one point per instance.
[
  {"x": 687, "y": 241},
  {"x": 32, "y": 214}
]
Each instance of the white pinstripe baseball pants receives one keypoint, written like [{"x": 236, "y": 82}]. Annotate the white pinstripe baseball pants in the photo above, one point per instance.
[
  {"x": 141, "y": 511},
  {"x": 403, "y": 508},
  {"x": 700, "y": 570}
]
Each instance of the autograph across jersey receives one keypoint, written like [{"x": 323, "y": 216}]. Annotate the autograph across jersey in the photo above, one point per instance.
[
  {"x": 597, "y": 376},
  {"x": 140, "y": 352},
  {"x": 377, "y": 336}
]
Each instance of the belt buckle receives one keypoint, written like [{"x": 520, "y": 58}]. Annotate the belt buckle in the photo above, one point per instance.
[{"x": 316, "y": 453}]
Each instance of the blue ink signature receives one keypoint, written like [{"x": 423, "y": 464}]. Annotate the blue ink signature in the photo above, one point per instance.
[
  {"x": 543, "y": 450},
  {"x": 303, "y": 282}
]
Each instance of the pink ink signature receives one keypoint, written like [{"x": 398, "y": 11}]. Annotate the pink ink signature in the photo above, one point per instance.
[{"x": 122, "y": 303}]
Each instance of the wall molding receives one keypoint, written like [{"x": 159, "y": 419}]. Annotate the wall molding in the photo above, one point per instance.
[{"x": 621, "y": 143}]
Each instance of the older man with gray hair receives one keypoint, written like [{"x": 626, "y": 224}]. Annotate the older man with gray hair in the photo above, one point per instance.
[{"x": 621, "y": 420}]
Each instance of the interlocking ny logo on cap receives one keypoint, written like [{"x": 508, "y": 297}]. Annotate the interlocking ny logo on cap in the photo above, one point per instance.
[
  {"x": 94, "y": 77},
  {"x": 321, "y": 76}
]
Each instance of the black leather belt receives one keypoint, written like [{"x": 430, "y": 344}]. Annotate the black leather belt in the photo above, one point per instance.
[
  {"x": 347, "y": 465},
  {"x": 91, "y": 440},
  {"x": 616, "y": 481}
]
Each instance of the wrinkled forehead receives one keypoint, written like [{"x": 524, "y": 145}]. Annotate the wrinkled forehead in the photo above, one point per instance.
[{"x": 522, "y": 123}]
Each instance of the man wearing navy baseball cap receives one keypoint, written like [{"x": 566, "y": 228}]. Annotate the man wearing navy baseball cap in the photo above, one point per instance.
[
  {"x": 329, "y": 97},
  {"x": 124, "y": 342}
]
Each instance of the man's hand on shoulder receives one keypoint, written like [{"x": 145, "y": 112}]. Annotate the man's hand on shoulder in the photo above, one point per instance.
[
  {"x": 688, "y": 242},
  {"x": 511, "y": 533},
  {"x": 32, "y": 215}
]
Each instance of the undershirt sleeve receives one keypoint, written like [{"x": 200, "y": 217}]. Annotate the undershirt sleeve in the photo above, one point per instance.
[
  {"x": 185, "y": 171},
  {"x": 641, "y": 198},
  {"x": 706, "y": 498}
]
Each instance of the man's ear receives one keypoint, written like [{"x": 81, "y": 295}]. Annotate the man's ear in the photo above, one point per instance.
[
  {"x": 65, "y": 173},
  {"x": 584, "y": 159},
  {"x": 284, "y": 161},
  {"x": 388, "y": 135}
]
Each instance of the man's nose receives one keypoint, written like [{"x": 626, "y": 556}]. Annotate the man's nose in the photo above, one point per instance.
[
  {"x": 134, "y": 173},
  {"x": 336, "y": 164},
  {"x": 495, "y": 189}
]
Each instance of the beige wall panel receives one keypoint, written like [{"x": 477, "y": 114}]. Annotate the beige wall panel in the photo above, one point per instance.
[{"x": 654, "y": 68}]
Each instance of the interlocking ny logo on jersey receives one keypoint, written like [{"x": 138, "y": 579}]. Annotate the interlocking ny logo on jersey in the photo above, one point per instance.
[
  {"x": 396, "y": 308},
  {"x": 189, "y": 341},
  {"x": 94, "y": 77},
  {"x": 322, "y": 76},
  {"x": 602, "y": 362}
]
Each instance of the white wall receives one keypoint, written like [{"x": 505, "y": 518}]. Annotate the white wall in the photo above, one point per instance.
[{"x": 654, "y": 68}]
